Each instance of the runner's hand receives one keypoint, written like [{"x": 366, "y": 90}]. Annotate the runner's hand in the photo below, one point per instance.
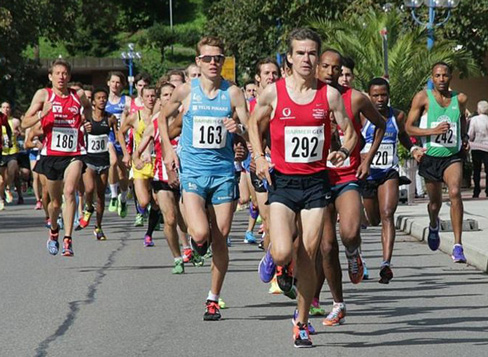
[
  {"x": 88, "y": 126},
  {"x": 262, "y": 169},
  {"x": 126, "y": 160},
  {"x": 363, "y": 171},
  {"x": 230, "y": 125},
  {"x": 173, "y": 179},
  {"x": 337, "y": 158},
  {"x": 240, "y": 153},
  {"x": 442, "y": 128},
  {"x": 48, "y": 106},
  {"x": 418, "y": 154},
  {"x": 171, "y": 160},
  {"x": 138, "y": 164}
]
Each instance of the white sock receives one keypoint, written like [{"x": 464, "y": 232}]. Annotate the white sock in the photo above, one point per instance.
[
  {"x": 123, "y": 196},
  {"x": 212, "y": 297},
  {"x": 114, "y": 188},
  {"x": 178, "y": 259}
]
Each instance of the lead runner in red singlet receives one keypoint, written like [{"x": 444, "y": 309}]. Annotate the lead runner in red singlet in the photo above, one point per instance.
[
  {"x": 346, "y": 198},
  {"x": 62, "y": 112},
  {"x": 297, "y": 110}
]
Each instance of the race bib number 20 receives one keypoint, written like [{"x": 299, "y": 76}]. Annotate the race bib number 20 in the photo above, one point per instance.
[
  {"x": 64, "y": 139},
  {"x": 304, "y": 144},
  {"x": 209, "y": 133}
]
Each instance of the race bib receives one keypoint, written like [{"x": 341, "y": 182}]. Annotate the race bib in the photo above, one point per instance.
[
  {"x": 304, "y": 144},
  {"x": 97, "y": 144},
  {"x": 383, "y": 158},
  {"x": 448, "y": 139},
  {"x": 64, "y": 139},
  {"x": 209, "y": 133}
]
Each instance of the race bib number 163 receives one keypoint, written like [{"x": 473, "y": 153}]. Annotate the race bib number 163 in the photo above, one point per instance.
[{"x": 209, "y": 132}]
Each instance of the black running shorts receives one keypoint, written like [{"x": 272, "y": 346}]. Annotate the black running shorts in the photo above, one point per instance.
[
  {"x": 53, "y": 167},
  {"x": 432, "y": 168}
]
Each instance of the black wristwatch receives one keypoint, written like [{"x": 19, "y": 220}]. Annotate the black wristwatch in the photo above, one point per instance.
[{"x": 344, "y": 151}]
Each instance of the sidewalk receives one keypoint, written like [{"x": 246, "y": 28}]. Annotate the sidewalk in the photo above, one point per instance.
[{"x": 413, "y": 220}]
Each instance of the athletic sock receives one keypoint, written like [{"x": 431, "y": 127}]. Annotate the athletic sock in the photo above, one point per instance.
[
  {"x": 153, "y": 221},
  {"x": 212, "y": 297},
  {"x": 177, "y": 259},
  {"x": 114, "y": 188},
  {"x": 123, "y": 196}
]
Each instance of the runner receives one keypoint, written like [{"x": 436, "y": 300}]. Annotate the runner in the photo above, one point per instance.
[
  {"x": 347, "y": 76},
  {"x": 192, "y": 71},
  {"x": 297, "y": 110},
  {"x": 206, "y": 158},
  {"x": 118, "y": 175},
  {"x": 381, "y": 190},
  {"x": 97, "y": 161},
  {"x": 346, "y": 198},
  {"x": 138, "y": 121},
  {"x": 59, "y": 110},
  {"x": 4, "y": 124},
  {"x": 439, "y": 114}
]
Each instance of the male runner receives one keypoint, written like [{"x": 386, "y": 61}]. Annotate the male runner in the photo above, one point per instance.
[
  {"x": 206, "y": 158},
  {"x": 97, "y": 160},
  {"x": 439, "y": 114},
  {"x": 297, "y": 110},
  {"x": 380, "y": 191},
  {"x": 5, "y": 141},
  {"x": 346, "y": 199},
  {"x": 347, "y": 76},
  {"x": 59, "y": 110},
  {"x": 192, "y": 71},
  {"x": 118, "y": 175}
]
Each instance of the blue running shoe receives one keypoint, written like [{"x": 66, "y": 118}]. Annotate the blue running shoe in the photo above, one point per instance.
[
  {"x": 311, "y": 329},
  {"x": 249, "y": 238},
  {"x": 433, "y": 239},
  {"x": 458, "y": 254},
  {"x": 52, "y": 242},
  {"x": 365, "y": 270},
  {"x": 266, "y": 267}
]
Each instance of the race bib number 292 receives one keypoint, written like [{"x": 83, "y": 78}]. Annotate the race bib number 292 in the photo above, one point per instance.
[{"x": 304, "y": 144}]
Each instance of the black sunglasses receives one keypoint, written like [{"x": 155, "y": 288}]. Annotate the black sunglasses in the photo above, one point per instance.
[{"x": 208, "y": 58}]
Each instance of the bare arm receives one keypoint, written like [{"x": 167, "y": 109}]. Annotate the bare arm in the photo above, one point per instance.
[
  {"x": 30, "y": 134},
  {"x": 147, "y": 137},
  {"x": 240, "y": 109},
  {"x": 175, "y": 126},
  {"x": 38, "y": 104},
  {"x": 371, "y": 113},
  {"x": 125, "y": 126}
]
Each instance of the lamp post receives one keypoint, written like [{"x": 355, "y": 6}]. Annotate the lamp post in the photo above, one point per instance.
[
  {"x": 128, "y": 58},
  {"x": 431, "y": 24}
]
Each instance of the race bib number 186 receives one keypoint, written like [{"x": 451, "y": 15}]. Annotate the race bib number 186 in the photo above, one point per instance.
[
  {"x": 64, "y": 139},
  {"x": 304, "y": 144}
]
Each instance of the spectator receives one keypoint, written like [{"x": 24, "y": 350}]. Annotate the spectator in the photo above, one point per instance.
[{"x": 478, "y": 141}]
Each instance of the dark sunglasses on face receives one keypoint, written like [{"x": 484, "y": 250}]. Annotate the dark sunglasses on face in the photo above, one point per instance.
[{"x": 208, "y": 58}]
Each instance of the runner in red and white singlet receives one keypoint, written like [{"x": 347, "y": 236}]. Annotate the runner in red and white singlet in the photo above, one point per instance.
[
  {"x": 62, "y": 113},
  {"x": 346, "y": 198},
  {"x": 300, "y": 107}
]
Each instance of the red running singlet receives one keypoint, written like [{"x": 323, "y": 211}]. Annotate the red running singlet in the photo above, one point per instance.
[
  {"x": 160, "y": 173},
  {"x": 62, "y": 126},
  {"x": 300, "y": 133},
  {"x": 347, "y": 172}
]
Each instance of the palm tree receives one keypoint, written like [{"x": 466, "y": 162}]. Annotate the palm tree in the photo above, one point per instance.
[{"x": 409, "y": 61}]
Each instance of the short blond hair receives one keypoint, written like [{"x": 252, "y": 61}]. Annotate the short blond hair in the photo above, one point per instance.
[{"x": 210, "y": 41}]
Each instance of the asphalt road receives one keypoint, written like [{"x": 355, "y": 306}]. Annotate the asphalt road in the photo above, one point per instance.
[{"x": 117, "y": 298}]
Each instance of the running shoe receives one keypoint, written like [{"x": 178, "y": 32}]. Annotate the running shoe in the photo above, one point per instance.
[
  {"x": 249, "y": 238},
  {"x": 60, "y": 223},
  {"x": 139, "y": 222},
  {"x": 261, "y": 245},
  {"x": 385, "y": 274},
  {"x": 284, "y": 276},
  {"x": 47, "y": 222},
  {"x": 301, "y": 336},
  {"x": 196, "y": 259},
  {"x": 274, "y": 288},
  {"x": 52, "y": 242},
  {"x": 261, "y": 228},
  {"x": 259, "y": 220},
  {"x": 337, "y": 316},
  {"x": 8, "y": 196},
  {"x": 212, "y": 311},
  {"x": 187, "y": 255},
  {"x": 20, "y": 200},
  {"x": 253, "y": 211},
  {"x": 85, "y": 220},
  {"x": 229, "y": 241},
  {"x": 98, "y": 233},
  {"x": 112, "y": 207},
  {"x": 292, "y": 293},
  {"x": 433, "y": 239},
  {"x": 355, "y": 266},
  {"x": 458, "y": 254},
  {"x": 148, "y": 242},
  {"x": 222, "y": 304},
  {"x": 179, "y": 267},
  {"x": 201, "y": 249},
  {"x": 209, "y": 253},
  {"x": 365, "y": 269},
  {"x": 121, "y": 207},
  {"x": 311, "y": 329},
  {"x": 67, "y": 247},
  {"x": 2, "y": 205},
  {"x": 38, "y": 205},
  {"x": 315, "y": 309},
  {"x": 266, "y": 267}
]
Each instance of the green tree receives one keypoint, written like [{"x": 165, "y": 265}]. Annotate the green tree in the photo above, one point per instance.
[{"x": 408, "y": 59}]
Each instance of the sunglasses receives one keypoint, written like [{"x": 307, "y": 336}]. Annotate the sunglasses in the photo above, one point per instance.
[{"x": 209, "y": 58}]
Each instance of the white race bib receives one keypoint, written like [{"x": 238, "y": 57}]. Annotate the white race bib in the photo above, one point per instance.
[
  {"x": 97, "y": 144},
  {"x": 209, "y": 133},
  {"x": 304, "y": 144},
  {"x": 383, "y": 158},
  {"x": 64, "y": 139},
  {"x": 448, "y": 139}
]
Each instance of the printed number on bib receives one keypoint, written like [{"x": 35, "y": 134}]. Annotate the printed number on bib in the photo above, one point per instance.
[
  {"x": 97, "y": 143},
  {"x": 304, "y": 144},
  {"x": 384, "y": 157},
  {"x": 447, "y": 139},
  {"x": 209, "y": 133},
  {"x": 64, "y": 139}
]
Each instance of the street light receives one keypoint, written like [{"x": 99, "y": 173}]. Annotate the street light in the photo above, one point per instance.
[{"x": 128, "y": 58}]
